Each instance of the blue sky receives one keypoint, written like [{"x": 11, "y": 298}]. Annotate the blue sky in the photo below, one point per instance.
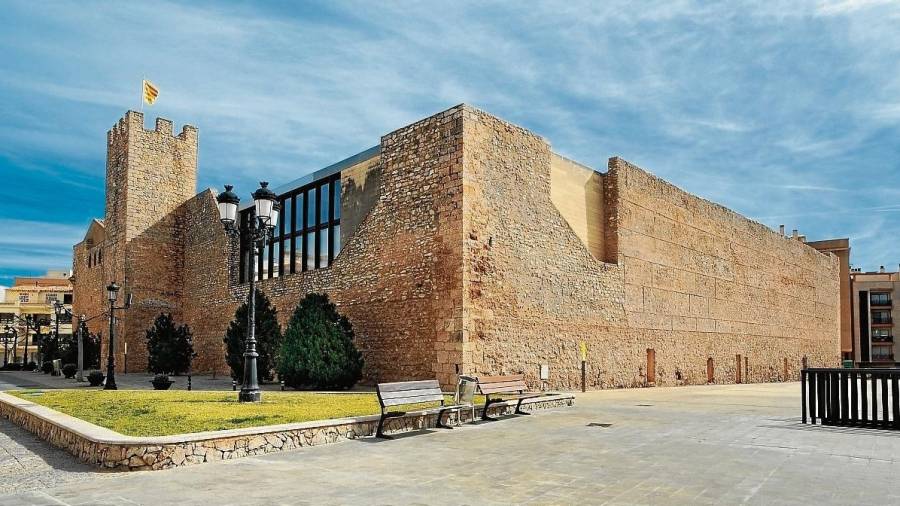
[{"x": 787, "y": 112}]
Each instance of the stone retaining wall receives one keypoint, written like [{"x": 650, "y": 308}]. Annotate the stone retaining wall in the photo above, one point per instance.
[{"x": 111, "y": 450}]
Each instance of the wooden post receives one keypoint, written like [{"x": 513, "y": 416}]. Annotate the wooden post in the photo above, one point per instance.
[{"x": 583, "y": 375}]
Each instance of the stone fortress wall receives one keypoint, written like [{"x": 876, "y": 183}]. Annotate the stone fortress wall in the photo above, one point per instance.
[
  {"x": 468, "y": 246},
  {"x": 686, "y": 280}
]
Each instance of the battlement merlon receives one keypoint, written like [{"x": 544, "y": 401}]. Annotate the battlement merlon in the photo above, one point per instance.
[{"x": 133, "y": 121}]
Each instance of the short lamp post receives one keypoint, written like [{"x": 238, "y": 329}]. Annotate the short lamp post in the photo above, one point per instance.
[
  {"x": 259, "y": 228},
  {"x": 81, "y": 323},
  {"x": 112, "y": 294},
  {"x": 59, "y": 311},
  {"x": 27, "y": 331}
]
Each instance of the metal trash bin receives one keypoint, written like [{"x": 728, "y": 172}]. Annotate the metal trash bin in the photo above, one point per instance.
[{"x": 465, "y": 393}]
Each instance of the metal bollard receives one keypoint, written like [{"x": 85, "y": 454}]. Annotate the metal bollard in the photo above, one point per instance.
[
  {"x": 233, "y": 385},
  {"x": 189, "y": 382},
  {"x": 282, "y": 385}
]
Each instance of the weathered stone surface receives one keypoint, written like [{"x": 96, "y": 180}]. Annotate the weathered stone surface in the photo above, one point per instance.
[{"x": 464, "y": 264}]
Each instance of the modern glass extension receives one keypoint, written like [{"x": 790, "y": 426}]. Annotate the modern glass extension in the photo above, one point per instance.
[{"x": 308, "y": 235}]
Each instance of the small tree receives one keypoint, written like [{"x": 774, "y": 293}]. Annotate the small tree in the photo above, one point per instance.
[
  {"x": 268, "y": 338},
  {"x": 169, "y": 348},
  {"x": 90, "y": 349},
  {"x": 318, "y": 349}
]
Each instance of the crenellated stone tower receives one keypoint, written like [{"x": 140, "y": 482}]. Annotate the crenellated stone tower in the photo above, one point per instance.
[{"x": 149, "y": 175}]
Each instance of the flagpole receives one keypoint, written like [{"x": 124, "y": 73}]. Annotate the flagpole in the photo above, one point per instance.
[{"x": 142, "y": 94}]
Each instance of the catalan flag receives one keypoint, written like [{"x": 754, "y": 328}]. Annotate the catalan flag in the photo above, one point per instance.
[{"x": 150, "y": 92}]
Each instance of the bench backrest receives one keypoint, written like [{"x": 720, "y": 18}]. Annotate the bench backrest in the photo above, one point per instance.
[
  {"x": 502, "y": 384},
  {"x": 409, "y": 392}
]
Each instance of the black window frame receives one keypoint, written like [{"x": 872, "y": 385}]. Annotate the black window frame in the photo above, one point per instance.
[
  {"x": 293, "y": 230},
  {"x": 880, "y": 298}
]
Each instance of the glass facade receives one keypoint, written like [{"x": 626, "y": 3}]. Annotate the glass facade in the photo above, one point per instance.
[{"x": 308, "y": 233}]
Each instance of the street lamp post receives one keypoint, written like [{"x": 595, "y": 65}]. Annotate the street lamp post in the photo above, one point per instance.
[
  {"x": 259, "y": 228},
  {"x": 80, "y": 375},
  {"x": 112, "y": 293},
  {"x": 59, "y": 310},
  {"x": 25, "y": 353}
]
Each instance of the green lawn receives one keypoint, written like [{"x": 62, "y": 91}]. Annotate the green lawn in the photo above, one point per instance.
[{"x": 161, "y": 413}]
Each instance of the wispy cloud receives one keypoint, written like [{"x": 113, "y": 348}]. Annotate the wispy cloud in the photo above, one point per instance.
[
  {"x": 771, "y": 108},
  {"x": 31, "y": 247},
  {"x": 833, "y": 8}
]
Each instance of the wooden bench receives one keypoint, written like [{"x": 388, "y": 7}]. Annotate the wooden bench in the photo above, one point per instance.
[
  {"x": 410, "y": 392},
  {"x": 493, "y": 385}
]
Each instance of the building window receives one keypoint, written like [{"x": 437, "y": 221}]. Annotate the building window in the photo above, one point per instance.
[
  {"x": 882, "y": 353},
  {"x": 881, "y": 335},
  {"x": 880, "y": 316},
  {"x": 23, "y": 297},
  {"x": 50, "y": 298},
  {"x": 881, "y": 299},
  {"x": 67, "y": 298},
  {"x": 308, "y": 232}
]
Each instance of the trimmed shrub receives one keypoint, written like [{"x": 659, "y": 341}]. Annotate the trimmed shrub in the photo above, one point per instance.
[
  {"x": 169, "y": 348},
  {"x": 318, "y": 350},
  {"x": 69, "y": 370},
  {"x": 47, "y": 367},
  {"x": 95, "y": 378},
  {"x": 161, "y": 382},
  {"x": 268, "y": 338},
  {"x": 30, "y": 366}
]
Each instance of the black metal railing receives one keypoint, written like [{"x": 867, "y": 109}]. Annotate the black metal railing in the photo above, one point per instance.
[
  {"x": 852, "y": 397},
  {"x": 880, "y": 301}
]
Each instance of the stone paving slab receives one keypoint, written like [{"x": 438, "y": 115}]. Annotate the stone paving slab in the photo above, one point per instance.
[
  {"x": 28, "y": 463},
  {"x": 735, "y": 444}
]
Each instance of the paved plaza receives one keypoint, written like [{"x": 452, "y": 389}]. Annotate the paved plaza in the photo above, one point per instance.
[{"x": 688, "y": 445}]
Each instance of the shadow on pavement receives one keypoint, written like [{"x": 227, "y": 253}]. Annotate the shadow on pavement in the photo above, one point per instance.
[{"x": 34, "y": 452}]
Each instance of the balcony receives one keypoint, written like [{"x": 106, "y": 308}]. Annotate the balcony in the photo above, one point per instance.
[
  {"x": 882, "y": 339},
  {"x": 881, "y": 320},
  {"x": 880, "y": 300}
]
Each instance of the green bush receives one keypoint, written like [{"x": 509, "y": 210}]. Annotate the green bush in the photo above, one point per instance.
[
  {"x": 47, "y": 367},
  {"x": 95, "y": 378},
  {"x": 169, "y": 348},
  {"x": 268, "y": 338},
  {"x": 69, "y": 370},
  {"x": 318, "y": 350}
]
